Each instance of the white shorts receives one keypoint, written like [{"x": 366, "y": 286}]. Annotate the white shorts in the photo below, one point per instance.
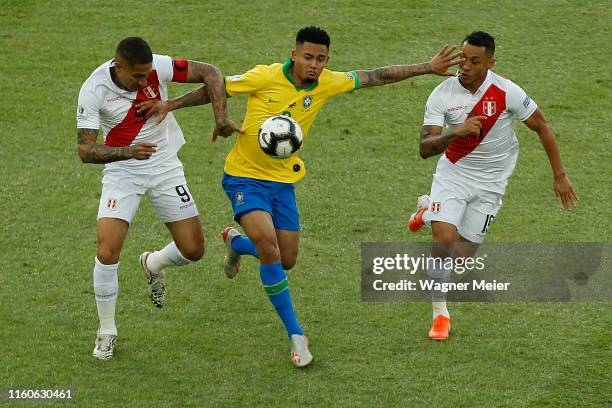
[
  {"x": 167, "y": 190},
  {"x": 464, "y": 204}
]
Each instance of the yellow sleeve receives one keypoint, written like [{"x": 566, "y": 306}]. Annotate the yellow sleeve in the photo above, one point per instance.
[
  {"x": 249, "y": 82},
  {"x": 342, "y": 82}
]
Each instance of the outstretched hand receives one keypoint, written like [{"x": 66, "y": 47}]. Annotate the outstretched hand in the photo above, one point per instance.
[
  {"x": 564, "y": 191},
  {"x": 443, "y": 60},
  {"x": 224, "y": 129}
]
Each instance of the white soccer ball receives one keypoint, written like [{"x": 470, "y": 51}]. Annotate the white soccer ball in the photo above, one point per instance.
[{"x": 280, "y": 137}]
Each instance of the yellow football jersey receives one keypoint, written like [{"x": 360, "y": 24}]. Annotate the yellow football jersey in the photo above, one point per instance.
[{"x": 272, "y": 91}]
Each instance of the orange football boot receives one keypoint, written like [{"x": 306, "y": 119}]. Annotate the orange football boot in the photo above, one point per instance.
[
  {"x": 416, "y": 222},
  {"x": 440, "y": 328}
]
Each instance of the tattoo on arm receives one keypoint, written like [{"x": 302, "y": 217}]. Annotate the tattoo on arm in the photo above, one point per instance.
[
  {"x": 433, "y": 142},
  {"x": 212, "y": 78},
  {"x": 198, "y": 96},
  {"x": 393, "y": 73},
  {"x": 92, "y": 152}
]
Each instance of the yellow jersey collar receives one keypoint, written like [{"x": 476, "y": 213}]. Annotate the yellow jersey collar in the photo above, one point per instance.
[{"x": 286, "y": 67}]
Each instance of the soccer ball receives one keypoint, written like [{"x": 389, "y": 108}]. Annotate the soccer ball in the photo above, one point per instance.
[{"x": 280, "y": 137}]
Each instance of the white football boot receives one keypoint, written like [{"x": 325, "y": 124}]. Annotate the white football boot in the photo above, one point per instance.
[
  {"x": 105, "y": 344},
  {"x": 300, "y": 355},
  {"x": 231, "y": 262},
  {"x": 157, "y": 289}
]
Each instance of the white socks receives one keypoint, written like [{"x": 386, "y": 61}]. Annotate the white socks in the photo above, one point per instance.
[
  {"x": 106, "y": 288},
  {"x": 168, "y": 256},
  {"x": 439, "y": 308},
  {"x": 106, "y": 285},
  {"x": 438, "y": 298}
]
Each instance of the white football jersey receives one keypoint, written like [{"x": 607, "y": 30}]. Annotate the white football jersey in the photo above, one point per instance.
[
  {"x": 488, "y": 159},
  {"x": 103, "y": 105}
]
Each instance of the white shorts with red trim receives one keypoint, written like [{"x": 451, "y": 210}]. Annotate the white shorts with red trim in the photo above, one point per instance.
[
  {"x": 167, "y": 190},
  {"x": 464, "y": 204}
]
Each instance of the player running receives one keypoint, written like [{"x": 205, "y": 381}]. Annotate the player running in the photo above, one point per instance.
[
  {"x": 480, "y": 147},
  {"x": 261, "y": 188},
  {"x": 141, "y": 158}
]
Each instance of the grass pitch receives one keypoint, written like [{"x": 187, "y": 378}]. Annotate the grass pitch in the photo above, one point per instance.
[{"x": 218, "y": 342}]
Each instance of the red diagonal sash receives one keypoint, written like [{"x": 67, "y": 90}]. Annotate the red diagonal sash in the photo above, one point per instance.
[
  {"x": 491, "y": 105},
  {"x": 125, "y": 132}
]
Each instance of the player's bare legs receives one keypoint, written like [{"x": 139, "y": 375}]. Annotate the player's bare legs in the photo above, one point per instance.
[
  {"x": 187, "y": 234},
  {"x": 186, "y": 247},
  {"x": 111, "y": 235},
  {"x": 288, "y": 243},
  {"x": 259, "y": 227},
  {"x": 446, "y": 243}
]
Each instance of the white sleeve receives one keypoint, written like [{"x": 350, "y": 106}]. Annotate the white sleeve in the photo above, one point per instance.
[
  {"x": 518, "y": 102},
  {"x": 163, "y": 65},
  {"x": 434, "y": 110},
  {"x": 88, "y": 110}
]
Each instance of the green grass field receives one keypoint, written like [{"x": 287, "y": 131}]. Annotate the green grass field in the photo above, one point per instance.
[{"x": 218, "y": 342}]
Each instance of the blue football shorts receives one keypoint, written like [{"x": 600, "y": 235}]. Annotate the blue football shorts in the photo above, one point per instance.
[{"x": 277, "y": 199}]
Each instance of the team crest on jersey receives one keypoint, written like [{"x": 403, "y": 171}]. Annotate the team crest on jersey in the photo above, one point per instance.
[
  {"x": 112, "y": 203},
  {"x": 435, "y": 207},
  {"x": 149, "y": 92},
  {"x": 349, "y": 75},
  {"x": 239, "y": 198},
  {"x": 307, "y": 101},
  {"x": 488, "y": 107}
]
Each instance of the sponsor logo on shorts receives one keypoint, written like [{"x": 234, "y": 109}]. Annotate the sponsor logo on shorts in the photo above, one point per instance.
[
  {"x": 183, "y": 207},
  {"x": 527, "y": 101},
  {"x": 111, "y": 204},
  {"x": 436, "y": 207},
  {"x": 239, "y": 198}
]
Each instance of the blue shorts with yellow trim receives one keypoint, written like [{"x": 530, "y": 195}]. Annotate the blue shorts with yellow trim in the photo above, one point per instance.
[{"x": 277, "y": 199}]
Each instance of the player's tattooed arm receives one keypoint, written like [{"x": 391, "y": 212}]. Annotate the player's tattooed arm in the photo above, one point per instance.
[
  {"x": 214, "y": 85},
  {"x": 150, "y": 107},
  {"x": 438, "y": 65},
  {"x": 198, "y": 96},
  {"x": 390, "y": 74},
  {"x": 92, "y": 152},
  {"x": 434, "y": 142}
]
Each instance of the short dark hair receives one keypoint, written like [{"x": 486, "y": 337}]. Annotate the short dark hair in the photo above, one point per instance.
[
  {"x": 482, "y": 39},
  {"x": 314, "y": 35},
  {"x": 135, "y": 51}
]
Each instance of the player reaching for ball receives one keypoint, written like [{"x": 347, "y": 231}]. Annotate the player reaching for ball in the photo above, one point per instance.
[
  {"x": 141, "y": 158},
  {"x": 480, "y": 148},
  {"x": 261, "y": 188}
]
